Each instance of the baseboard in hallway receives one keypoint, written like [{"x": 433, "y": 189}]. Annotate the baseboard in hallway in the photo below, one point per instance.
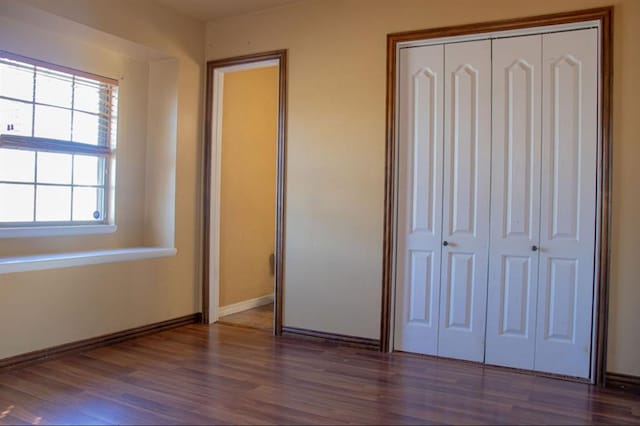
[
  {"x": 260, "y": 318},
  {"x": 245, "y": 305}
]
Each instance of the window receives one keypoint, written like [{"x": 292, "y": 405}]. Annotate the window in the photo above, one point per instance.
[{"x": 57, "y": 135}]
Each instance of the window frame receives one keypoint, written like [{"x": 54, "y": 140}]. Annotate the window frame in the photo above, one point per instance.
[{"x": 105, "y": 153}]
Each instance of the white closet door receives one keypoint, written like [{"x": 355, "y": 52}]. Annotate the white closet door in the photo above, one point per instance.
[
  {"x": 515, "y": 201},
  {"x": 569, "y": 150},
  {"x": 420, "y": 199},
  {"x": 465, "y": 211}
]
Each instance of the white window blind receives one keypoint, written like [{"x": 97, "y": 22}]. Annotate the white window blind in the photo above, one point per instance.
[{"x": 57, "y": 135}]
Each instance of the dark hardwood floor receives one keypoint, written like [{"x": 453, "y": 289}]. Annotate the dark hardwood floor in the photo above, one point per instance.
[{"x": 222, "y": 374}]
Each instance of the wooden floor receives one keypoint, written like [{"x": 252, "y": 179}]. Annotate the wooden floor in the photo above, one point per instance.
[
  {"x": 221, "y": 374},
  {"x": 260, "y": 318}
]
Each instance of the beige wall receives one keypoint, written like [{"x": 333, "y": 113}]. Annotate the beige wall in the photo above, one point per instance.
[
  {"x": 335, "y": 169},
  {"x": 336, "y": 128},
  {"x": 247, "y": 203},
  {"x": 52, "y": 307}
]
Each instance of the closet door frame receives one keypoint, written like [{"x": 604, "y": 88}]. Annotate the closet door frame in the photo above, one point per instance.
[{"x": 602, "y": 18}]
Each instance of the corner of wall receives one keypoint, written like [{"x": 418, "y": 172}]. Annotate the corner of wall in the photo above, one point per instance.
[{"x": 160, "y": 161}]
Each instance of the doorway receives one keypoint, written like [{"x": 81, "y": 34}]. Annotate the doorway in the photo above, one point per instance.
[{"x": 244, "y": 191}]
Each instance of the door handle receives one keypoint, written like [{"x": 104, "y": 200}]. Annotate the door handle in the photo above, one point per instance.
[
  {"x": 445, "y": 243},
  {"x": 534, "y": 248}
]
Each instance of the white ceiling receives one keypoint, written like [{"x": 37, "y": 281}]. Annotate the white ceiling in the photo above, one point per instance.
[{"x": 206, "y": 10}]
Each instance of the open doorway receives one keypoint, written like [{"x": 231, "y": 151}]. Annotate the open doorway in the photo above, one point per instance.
[
  {"x": 244, "y": 191},
  {"x": 249, "y": 118}
]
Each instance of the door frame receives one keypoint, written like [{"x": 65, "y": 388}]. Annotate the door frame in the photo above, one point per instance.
[
  {"x": 211, "y": 184},
  {"x": 603, "y": 207}
]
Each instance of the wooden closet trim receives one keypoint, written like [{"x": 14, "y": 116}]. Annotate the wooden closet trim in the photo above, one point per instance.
[
  {"x": 281, "y": 156},
  {"x": 604, "y": 17}
]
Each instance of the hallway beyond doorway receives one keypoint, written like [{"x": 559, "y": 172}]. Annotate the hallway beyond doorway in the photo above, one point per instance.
[{"x": 260, "y": 318}]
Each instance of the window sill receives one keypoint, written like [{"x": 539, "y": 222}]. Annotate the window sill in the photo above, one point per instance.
[
  {"x": 50, "y": 231},
  {"x": 9, "y": 265}
]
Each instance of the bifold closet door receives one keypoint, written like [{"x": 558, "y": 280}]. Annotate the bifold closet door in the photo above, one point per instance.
[
  {"x": 515, "y": 201},
  {"x": 539, "y": 178},
  {"x": 465, "y": 207},
  {"x": 568, "y": 202},
  {"x": 420, "y": 156}
]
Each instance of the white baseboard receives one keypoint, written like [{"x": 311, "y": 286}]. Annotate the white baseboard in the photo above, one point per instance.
[{"x": 245, "y": 305}]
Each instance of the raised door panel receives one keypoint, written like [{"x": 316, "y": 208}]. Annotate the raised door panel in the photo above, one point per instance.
[
  {"x": 515, "y": 297},
  {"x": 419, "y": 199},
  {"x": 562, "y": 295},
  {"x": 421, "y": 288},
  {"x": 515, "y": 201},
  {"x": 465, "y": 208},
  {"x": 568, "y": 202},
  {"x": 459, "y": 291}
]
